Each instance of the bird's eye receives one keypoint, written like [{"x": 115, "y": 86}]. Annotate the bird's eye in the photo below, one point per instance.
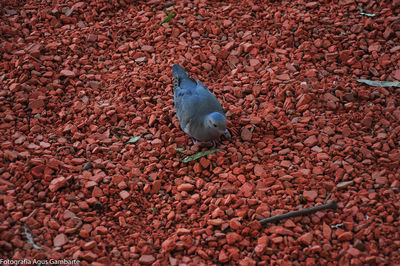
[{"x": 215, "y": 125}]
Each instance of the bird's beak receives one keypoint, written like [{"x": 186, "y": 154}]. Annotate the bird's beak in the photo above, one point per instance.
[{"x": 226, "y": 133}]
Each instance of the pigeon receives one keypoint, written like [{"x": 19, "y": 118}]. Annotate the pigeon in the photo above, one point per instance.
[{"x": 199, "y": 112}]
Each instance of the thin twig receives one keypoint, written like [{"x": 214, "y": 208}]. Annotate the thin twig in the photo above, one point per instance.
[
  {"x": 28, "y": 234},
  {"x": 252, "y": 253},
  {"x": 331, "y": 205},
  {"x": 327, "y": 198},
  {"x": 336, "y": 226}
]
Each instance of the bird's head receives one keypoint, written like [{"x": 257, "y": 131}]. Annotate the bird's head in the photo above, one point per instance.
[{"x": 217, "y": 122}]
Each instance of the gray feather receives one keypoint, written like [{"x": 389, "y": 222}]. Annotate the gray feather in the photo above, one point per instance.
[{"x": 193, "y": 102}]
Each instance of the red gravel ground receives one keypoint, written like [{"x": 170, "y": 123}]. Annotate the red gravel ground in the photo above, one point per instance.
[{"x": 79, "y": 79}]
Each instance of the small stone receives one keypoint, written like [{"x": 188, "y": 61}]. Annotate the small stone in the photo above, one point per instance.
[
  {"x": 90, "y": 244},
  {"x": 227, "y": 23},
  {"x": 246, "y": 134},
  {"x": 310, "y": 73},
  {"x": 344, "y": 184},
  {"x": 156, "y": 186},
  {"x": 285, "y": 163},
  {"x": 68, "y": 215},
  {"x": 204, "y": 162},
  {"x": 147, "y": 259},
  {"x": 395, "y": 156},
  {"x": 247, "y": 261},
  {"x": 68, "y": 12},
  {"x": 141, "y": 59},
  {"x": 97, "y": 192},
  {"x": 45, "y": 145},
  {"x": 148, "y": 48},
  {"x": 387, "y": 33},
  {"x": 38, "y": 170},
  {"x": 215, "y": 222},
  {"x": 255, "y": 120},
  {"x": 259, "y": 170},
  {"x": 94, "y": 84},
  {"x": 36, "y": 104},
  {"x": 185, "y": 187},
  {"x": 354, "y": 252},
  {"x": 67, "y": 73},
  {"x": 283, "y": 76},
  {"x": 78, "y": 161},
  {"x": 312, "y": 4},
  {"x": 310, "y": 141},
  {"x": 207, "y": 66},
  {"x": 53, "y": 224},
  {"x": 346, "y": 236},
  {"x": 57, "y": 183},
  {"x": 60, "y": 240},
  {"x": 247, "y": 47},
  {"x": 375, "y": 47},
  {"x": 290, "y": 224},
  {"x": 182, "y": 231},
  {"x": 169, "y": 244},
  {"x": 203, "y": 254},
  {"x": 33, "y": 146},
  {"x": 89, "y": 256},
  {"x": 54, "y": 163},
  {"x": 195, "y": 34},
  {"x": 234, "y": 224},
  {"x": 306, "y": 239},
  {"x": 303, "y": 99},
  {"x": 367, "y": 121},
  {"x": 11, "y": 12},
  {"x": 277, "y": 239},
  {"x": 171, "y": 215},
  {"x": 223, "y": 257},
  {"x": 261, "y": 245},
  {"x": 233, "y": 237},
  {"x": 396, "y": 74},
  {"x": 124, "y": 194},
  {"x": 102, "y": 230},
  {"x": 90, "y": 184},
  {"x": 310, "y": 195},
  {"x": 11, "y": 155},
  {"x": 91, "y": 37},
  {"x": 381, "y": 180},
  {"x": 123, "y": 48},
  {"x": 326, "y": 231},
  {"x": 255, "y": 63},
  {"x": 348, "y": 96},
  {"x": 34, "y": 50},
  {"x": 346, "y": 131},
  {"x": 323, "y": 156},
  {"x": 331, "y": 57},
  {"x": 371, "y": 260}
]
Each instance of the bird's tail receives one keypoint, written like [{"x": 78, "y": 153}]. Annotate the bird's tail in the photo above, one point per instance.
[
  {"x": 181, "y": 78},
  {"x": 178, "y": 72}
]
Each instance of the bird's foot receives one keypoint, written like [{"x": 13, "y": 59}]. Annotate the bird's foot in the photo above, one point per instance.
[
  {"x": 226, "y": 134},
  {"x": 215, "y": 143},
  {"x": 194, "y": 140}
]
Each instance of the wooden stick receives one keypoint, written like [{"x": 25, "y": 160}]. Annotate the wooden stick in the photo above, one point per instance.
[{"x": 331, "y": 205}]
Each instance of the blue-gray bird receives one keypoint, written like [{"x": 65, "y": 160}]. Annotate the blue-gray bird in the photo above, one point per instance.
[{"x": 199, "y": 112}]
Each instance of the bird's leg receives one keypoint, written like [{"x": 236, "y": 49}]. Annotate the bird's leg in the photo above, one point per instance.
[
  {"x": 194, "y": 140},
  {"x": 215, "y": 143}
]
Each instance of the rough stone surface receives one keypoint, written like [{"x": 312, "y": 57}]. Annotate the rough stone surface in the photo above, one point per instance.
[{"x": 80, "y": 79}]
